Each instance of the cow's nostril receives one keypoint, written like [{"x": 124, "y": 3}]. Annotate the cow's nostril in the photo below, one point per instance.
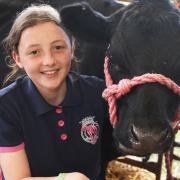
[
  {"x": 150, "y": 141},
  {"x": 134, "y": 134},
  {"x": 163, "y": 135}
]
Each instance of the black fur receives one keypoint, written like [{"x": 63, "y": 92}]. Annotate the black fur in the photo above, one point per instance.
[{"x": 140, "y": 38}]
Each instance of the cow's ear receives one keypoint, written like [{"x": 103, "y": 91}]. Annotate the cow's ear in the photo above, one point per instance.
[{"x": 85, "y": 23}]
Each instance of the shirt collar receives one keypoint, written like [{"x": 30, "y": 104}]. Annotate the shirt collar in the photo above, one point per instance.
[
  {"x": 74, "y": 95},
  {"x": 40, "y": 106}
]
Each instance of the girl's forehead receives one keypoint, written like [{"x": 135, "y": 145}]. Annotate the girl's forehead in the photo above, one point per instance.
[
  {"x": 45, "y": 27},
  {"x": 42, "y": 32}
]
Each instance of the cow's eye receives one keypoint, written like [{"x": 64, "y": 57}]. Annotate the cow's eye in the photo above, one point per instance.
[
  {"x": 116, "y": 67},
  {"x": 118, "y": 71}
]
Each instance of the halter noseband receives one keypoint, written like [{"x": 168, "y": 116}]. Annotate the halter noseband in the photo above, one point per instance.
[{"x": 116, "y": 91}]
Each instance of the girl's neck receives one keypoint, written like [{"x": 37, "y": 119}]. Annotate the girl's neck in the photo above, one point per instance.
[{"x": 55, "y": 97}]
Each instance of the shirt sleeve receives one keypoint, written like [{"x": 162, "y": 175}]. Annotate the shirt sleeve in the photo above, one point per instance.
[{"x": 11, "y": 138}]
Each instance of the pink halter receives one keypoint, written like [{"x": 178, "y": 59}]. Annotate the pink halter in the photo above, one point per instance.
[{"x": 116, "y": 91}]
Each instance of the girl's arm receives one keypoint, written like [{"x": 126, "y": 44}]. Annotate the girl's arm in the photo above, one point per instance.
[{"x": 15, "y": 166}]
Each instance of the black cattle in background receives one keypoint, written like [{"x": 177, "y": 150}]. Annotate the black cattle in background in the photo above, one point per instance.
[
  {"x": 9, "y": 8},
  {"x": 143, "y": 37},
  {"x": 90, "y": 49}
]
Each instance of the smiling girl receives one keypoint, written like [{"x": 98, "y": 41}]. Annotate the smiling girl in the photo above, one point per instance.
[{"x": 51, "y": 120}]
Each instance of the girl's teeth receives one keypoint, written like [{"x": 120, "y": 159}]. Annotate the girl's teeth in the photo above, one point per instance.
[{"x": 50, "y": 72}]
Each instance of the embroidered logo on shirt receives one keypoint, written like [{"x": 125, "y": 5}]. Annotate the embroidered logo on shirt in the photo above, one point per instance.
[{"x": 89, "y": 130}]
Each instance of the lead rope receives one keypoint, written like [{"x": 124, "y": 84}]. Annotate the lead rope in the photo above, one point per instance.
[
  {"x": 116, "y": 91},
  {"x": 168, "y": 155}
]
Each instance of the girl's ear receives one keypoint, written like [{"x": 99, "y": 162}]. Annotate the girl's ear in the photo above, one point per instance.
[
  {"x": 16, "y": 58},
  {"x": 73, "y": 48}
]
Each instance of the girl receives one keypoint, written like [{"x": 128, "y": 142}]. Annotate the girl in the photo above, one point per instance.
[{"x": 51, "y": 120}]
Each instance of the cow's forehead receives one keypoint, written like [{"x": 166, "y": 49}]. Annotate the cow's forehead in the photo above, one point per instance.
[{"x": 147, "y": 41}]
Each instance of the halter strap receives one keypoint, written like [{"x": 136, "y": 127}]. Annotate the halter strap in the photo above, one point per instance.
[{"x": 116, "y": 91}]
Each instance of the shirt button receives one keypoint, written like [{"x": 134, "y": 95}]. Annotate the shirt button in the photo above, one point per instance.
[
  {"x": 64, "y": 137},
  {"x": 61, "y": 123},
  {"x": 58, "y": 110}
]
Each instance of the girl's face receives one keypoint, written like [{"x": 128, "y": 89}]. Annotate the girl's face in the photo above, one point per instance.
[{"x": 45, "y": 53}]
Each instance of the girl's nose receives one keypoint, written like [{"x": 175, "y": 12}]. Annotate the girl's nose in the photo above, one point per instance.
[{"x": 49, "y": 59}]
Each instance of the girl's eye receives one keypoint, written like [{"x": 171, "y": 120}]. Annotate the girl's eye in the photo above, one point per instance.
[
  {"x": 35, "y": 52},
  {"x": 59, "y": 47}
]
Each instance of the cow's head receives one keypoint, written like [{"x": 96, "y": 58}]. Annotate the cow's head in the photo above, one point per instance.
[{"x": 143, "y": 37}]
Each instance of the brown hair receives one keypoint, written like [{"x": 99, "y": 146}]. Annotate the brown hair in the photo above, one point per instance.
[{"x": 29, "y": 17}]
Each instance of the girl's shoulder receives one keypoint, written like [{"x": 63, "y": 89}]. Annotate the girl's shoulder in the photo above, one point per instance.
[
  {"x": 90, "y": 85},
  {"x": 12, "y": 90},
  {"x": 91, "y": 82}
]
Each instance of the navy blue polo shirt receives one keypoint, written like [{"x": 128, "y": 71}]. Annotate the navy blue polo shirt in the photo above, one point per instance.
[{"x": 70, "y": 137}]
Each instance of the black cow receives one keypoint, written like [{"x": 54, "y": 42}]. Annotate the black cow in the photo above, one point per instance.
[
  {"x": 9, "y": 9},
  {"x": 143, "y": 37}
]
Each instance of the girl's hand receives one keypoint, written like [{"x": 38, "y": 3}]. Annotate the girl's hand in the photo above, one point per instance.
[{"x": 75, "y": 176}]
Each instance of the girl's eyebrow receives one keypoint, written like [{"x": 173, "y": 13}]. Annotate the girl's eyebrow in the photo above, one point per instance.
[
  {"x": 59, "y": 40},
  {"x": 33, "y": 45},
  {"x": 37, "y": 45}
]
